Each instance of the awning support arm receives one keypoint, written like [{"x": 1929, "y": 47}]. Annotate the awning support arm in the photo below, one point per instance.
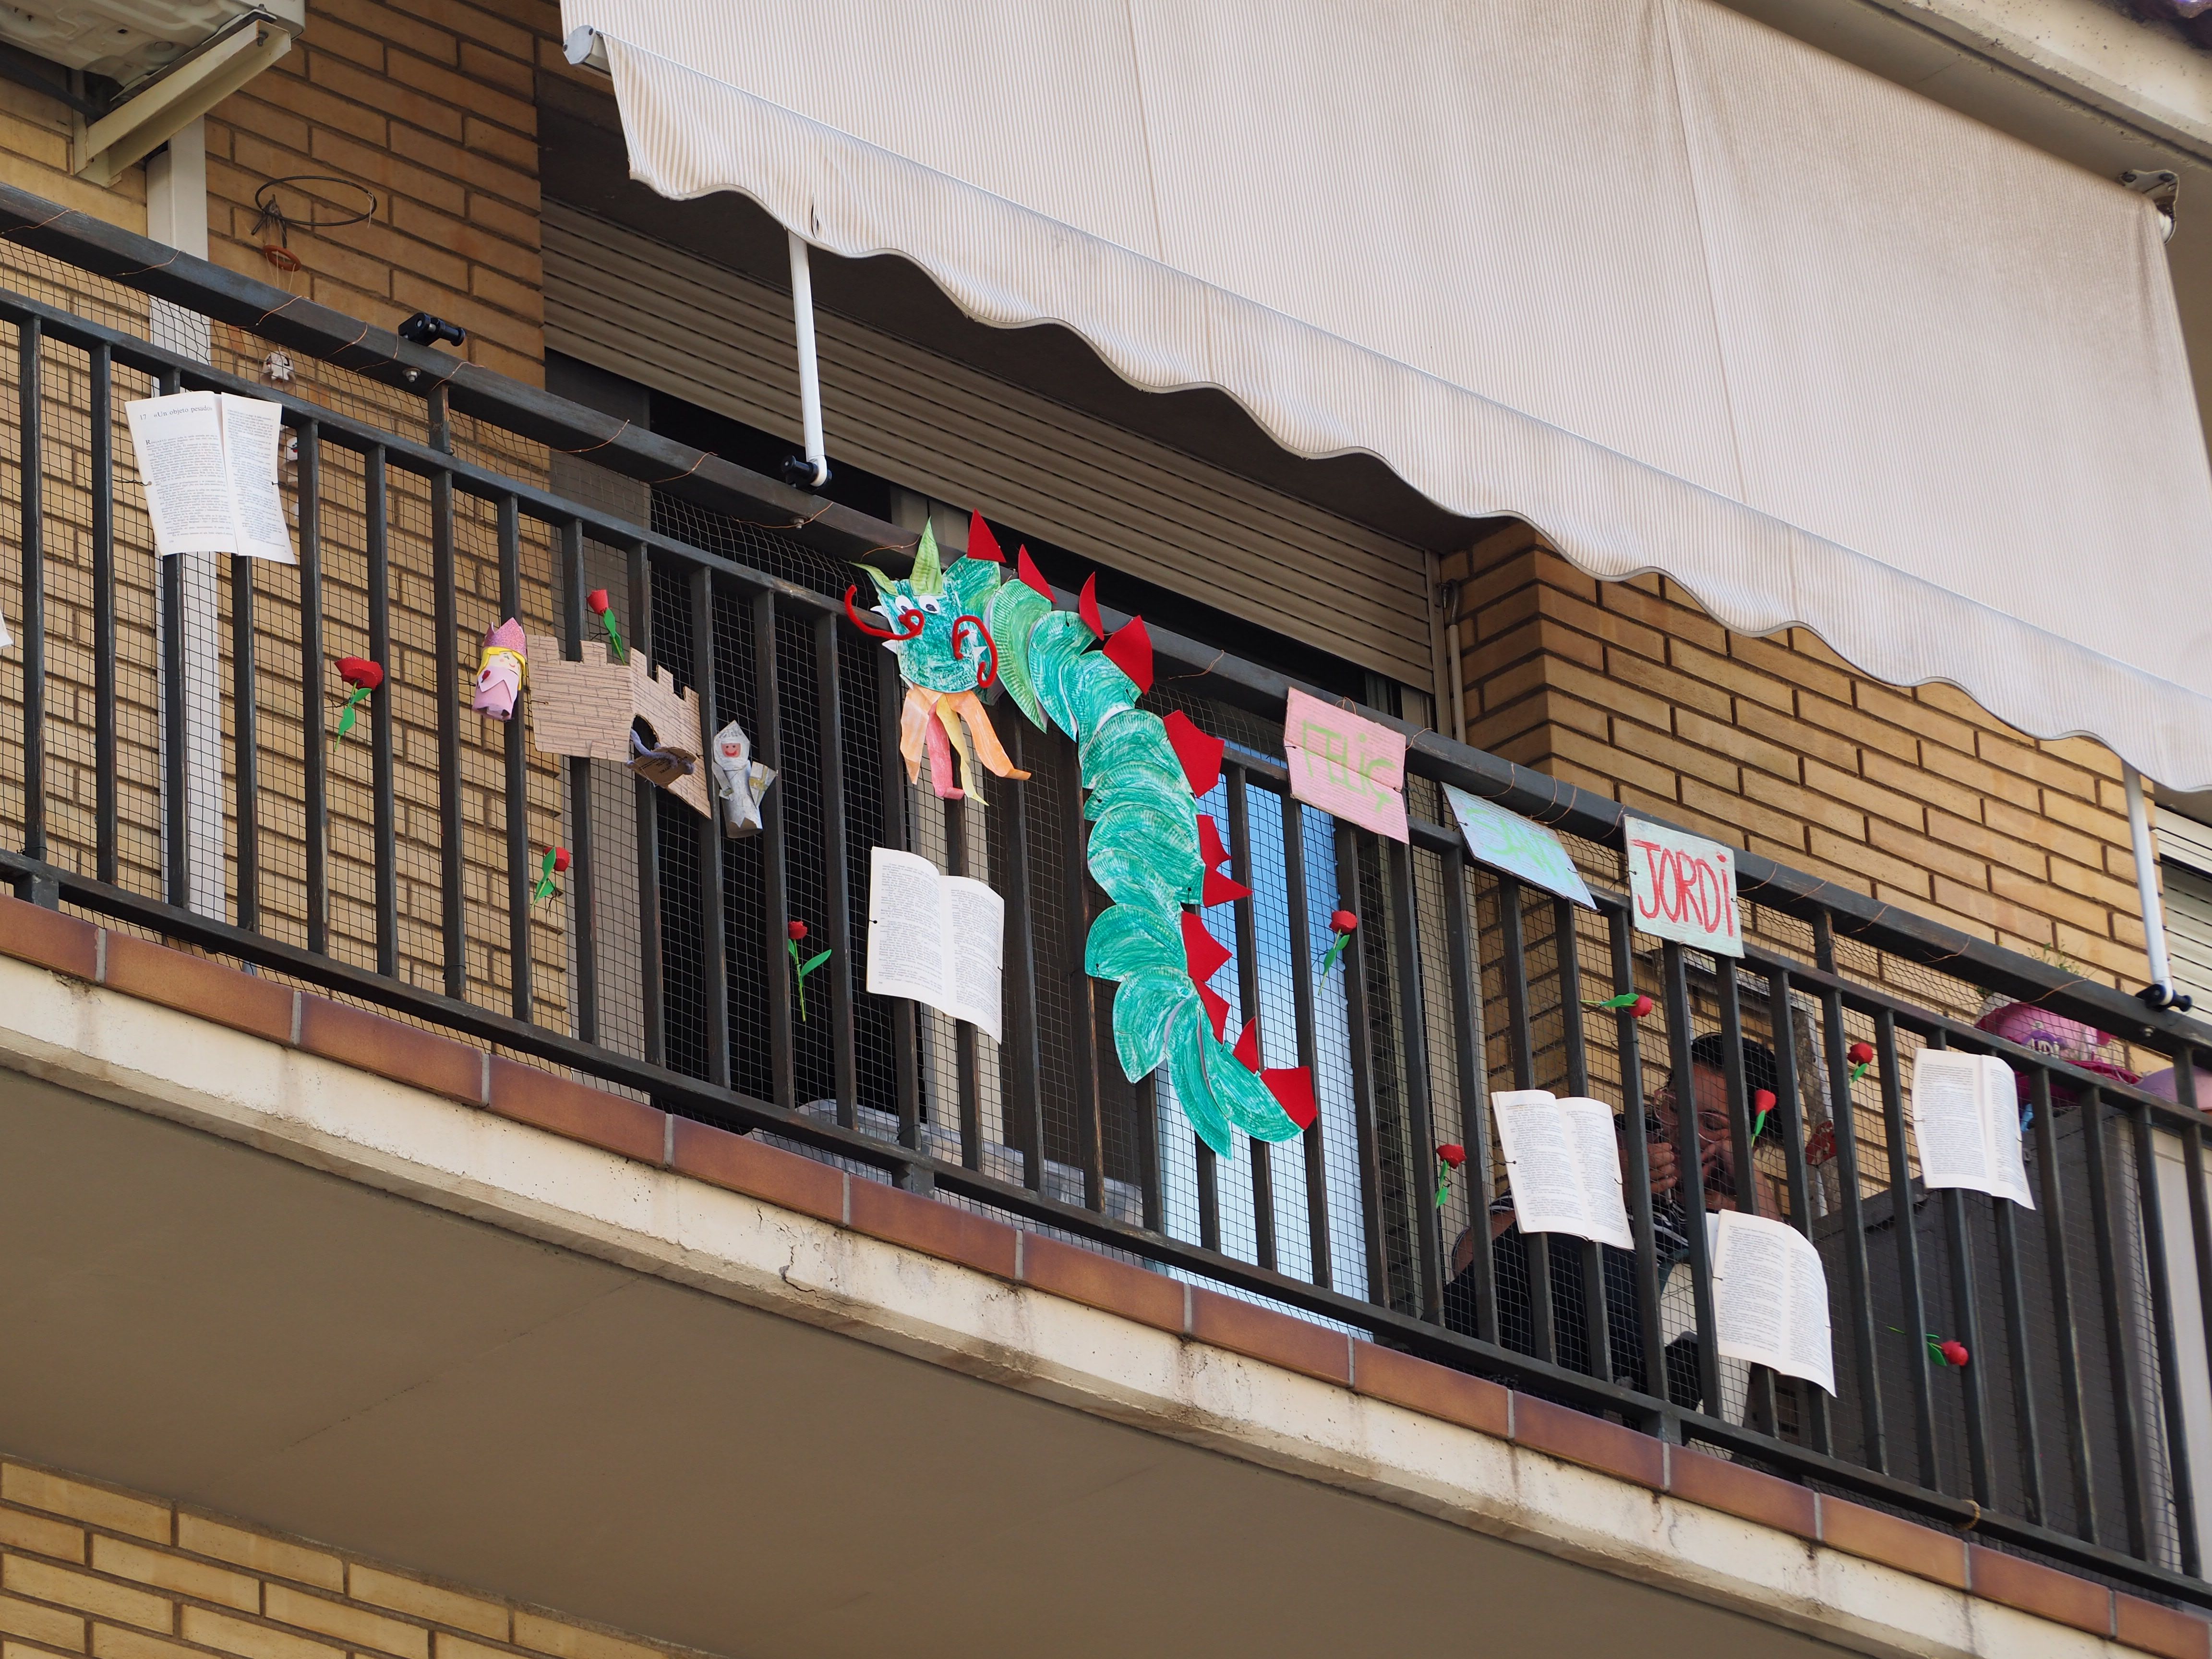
[
  {"x": 2159, "y": 992},
  {"x": 812, "y": 470}
]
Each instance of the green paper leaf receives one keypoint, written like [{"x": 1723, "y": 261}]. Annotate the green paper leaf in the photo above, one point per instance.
[
  {"x": 1188, "y": 1035},
  {"x": 812, "y": 964},
  {"x": 1130, "y": 877},
  {"x": 1010, "y": 614},
  {"x": 883, "y": 584},
  {"x": 1056, "y": 645},
  {"x": 1136, "y": 742},
  {"x": 1144, "y": 1005},
  {"x": 1243, "y": 1097},
  {"x": 928, "y": 575},
  {"x": 1127, "y": 940},
  {"x": 1098, "y": 690},
  {"x": 968, "y": 583},
  {"x": 1168, "y": 842}
]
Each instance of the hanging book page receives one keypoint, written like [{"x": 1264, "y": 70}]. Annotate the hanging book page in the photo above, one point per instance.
[
  {"x": 1563, "y": 1163},
  {"x": 209, "y": 461},
  {"x": 1966, "y": 1124},
  {"x": 1770, "y": 1297},
  {"x": 938, "y": 939}
]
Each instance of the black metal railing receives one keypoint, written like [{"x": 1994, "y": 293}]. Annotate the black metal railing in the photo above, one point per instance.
[{"x": 396, "y": 867}]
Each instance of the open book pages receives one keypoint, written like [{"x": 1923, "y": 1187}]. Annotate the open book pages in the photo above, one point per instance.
[
  {"x": 940, "y": 939},
  {"x": 1770, "y": 1297},
  {"x": 209, "y": 461},
  {"x": 1563, "y": 1163},
  {"x": 1966, "y": 1124}
]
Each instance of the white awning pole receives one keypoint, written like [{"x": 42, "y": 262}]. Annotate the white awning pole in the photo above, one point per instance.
[
  {"x": 2161, "y": 991},
  {"x": 810, "y": 373}
]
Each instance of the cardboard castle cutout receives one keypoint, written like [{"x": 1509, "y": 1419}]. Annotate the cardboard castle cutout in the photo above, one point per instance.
[{"x": 588, "y": 708}]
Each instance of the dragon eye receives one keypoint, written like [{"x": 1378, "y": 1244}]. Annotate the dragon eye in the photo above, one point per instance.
[{"x": 931, "y": 605}]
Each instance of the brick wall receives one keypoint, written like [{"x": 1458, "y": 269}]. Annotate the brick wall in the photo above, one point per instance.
[
  {"x": 1919, "y": 797},
  {"x": 429, "y": 105},
  {"x": 35, "y": 155},
  {"x": 87, "y": 1569}
]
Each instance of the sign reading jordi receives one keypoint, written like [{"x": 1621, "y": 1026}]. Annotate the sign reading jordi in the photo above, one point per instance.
[
  {"x": 1351, "y": 768},
  {"x": 1683, "y": 887}
]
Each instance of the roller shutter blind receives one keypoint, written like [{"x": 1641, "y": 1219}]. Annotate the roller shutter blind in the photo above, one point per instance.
[
  {"x": 697, "y": 331},
  {"x": 2185, "y": 851}
]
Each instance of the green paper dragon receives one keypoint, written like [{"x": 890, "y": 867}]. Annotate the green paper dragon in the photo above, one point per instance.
[{"x": 958, "y": 628}]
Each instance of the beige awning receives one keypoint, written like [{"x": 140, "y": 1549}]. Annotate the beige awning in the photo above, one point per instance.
[{"x": 1687, "y": 295}]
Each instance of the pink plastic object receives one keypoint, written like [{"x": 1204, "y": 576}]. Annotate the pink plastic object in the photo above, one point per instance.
[
  {"x": 499, "y": 671},
  {"x": 2061, "y": 1038}
]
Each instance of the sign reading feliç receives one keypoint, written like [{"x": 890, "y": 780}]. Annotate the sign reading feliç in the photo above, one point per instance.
[{"x": 1683, "y": 887}]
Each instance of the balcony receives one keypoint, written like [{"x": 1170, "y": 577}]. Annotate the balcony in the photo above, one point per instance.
[{"x": 168, "y": 768}]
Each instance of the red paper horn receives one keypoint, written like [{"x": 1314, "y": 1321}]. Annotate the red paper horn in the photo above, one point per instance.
[
  {"x": 981, "y": 544},
  {"x": 869, "y": 629},
  {"x": 990, "y": 647}
]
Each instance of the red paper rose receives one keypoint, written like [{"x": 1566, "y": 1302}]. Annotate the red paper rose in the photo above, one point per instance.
[
  {"x": 1762, "y": 1101},
  {"x": 560, "y": 860},
  {"x": 361, "y": 671},
  {"x": 1641, "y": 1006},
  {"x": 1954, "y": 1352},
  {"x": 1861, "y": 1053},
  {"x": 1452, "y": 1153},
  {"x": 797, "y": 930},
  {"x": 596, "y": 598},
  {"x": 1343, "y": 921}
]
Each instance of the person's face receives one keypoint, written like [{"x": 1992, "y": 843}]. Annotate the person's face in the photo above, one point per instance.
[{"x": 1716, "y": 1139}]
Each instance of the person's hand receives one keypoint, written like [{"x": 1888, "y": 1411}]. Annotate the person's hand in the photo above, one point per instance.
[{"x": 1660, "y": 1155}]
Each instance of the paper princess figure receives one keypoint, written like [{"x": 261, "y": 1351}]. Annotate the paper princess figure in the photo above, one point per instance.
[
  {"x": 500, "y": 671},
  {"x": 739, "y": 781}
]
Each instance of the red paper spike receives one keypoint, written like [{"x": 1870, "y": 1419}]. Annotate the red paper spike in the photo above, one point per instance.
[
  {"x": 1087, "y": 606},
  {"x": 1130, "y": 650},
  {"x": 1203, "y": 953},
  {"x": 1292, "y": 1088},
  {"x": 1248, "y": 1046},
  {"x": 1025, "y": 570},
  {"x": 1200, "y": 754},
  {"x": 981, "y": 544},
  {"x": 1220, "y": 889},
  {"x": 1210, "y": 852},
  {"x": 1216, "y": 1009}
]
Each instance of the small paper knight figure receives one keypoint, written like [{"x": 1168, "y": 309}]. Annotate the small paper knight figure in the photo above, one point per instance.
[
  {"x": 739, "y": 780},
  {"x": 500, "y": 670},
  {"x": 660, "y": 766}
]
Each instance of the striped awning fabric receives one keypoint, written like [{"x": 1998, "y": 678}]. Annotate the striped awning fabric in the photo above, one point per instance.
[{"x": 1684, "y": 294}]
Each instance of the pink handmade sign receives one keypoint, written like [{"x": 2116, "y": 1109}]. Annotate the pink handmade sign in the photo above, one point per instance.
[
  {"x": 1683, "y": 887},
  {"x": 1351, "y": 768}
]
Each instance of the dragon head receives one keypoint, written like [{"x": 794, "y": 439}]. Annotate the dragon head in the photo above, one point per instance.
[{"x": 936, "y": 617}]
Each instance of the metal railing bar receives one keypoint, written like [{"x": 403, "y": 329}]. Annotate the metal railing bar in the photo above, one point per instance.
[
  {"x": 176, "y": 777},
  {"x": 1300, "y": 901},
  {"x": 314, "y": 753},
  {"x": 893, "y": 833},
  {"x": 452, "y": 914},
  {"x": 1689, "y": 1167},
  {"x": 714, "y": 959},
  {"x": 1904, "y": 1218},
  {"x": 105, "y": 758},
  {"x": 1843, "y": 1120},
  {"x": 516, "y": 782},
  {"x": 1352, "y": 964},
  {"x": 2135, "y": 1482},
  {"x": 1789, "y": 1105},
  {"x": 1635, "y": 1142},
  {"x": 645, "y": 801},
  {"x": 837, "y": 923},
  {"x": 1247, "y": 924},
  {"x": 32, "y": 546},
  {"x": 967, "y": 1080},
  {"x": 2182, "y": 1500},
  {"x": 1761, "y": 1390},
  {"x": 246, "y": 744},
  {"x": 2051, "y": 1196},
  {"x": 378, "y": 710},
  {"x": 1566, "y": 949},
  {"x": 775, "y": 907},
  {"x": 1535, "y": 1248},
  {"x": 1473, "y": 1094}
]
